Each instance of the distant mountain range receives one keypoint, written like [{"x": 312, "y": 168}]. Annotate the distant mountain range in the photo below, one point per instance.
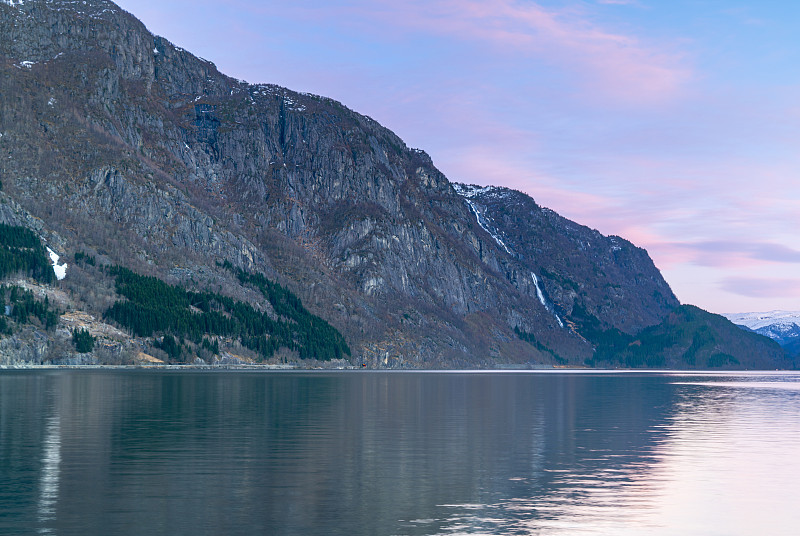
[
  {"x": 781, "y": 326},
  {"x": 194, "y": 217}
]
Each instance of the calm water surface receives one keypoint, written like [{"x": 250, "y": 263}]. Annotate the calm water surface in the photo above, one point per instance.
[{"x": 149, "y": 452}]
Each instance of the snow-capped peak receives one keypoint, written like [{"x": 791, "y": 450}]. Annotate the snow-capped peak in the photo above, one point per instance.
[{"x": 757, "y": 321}]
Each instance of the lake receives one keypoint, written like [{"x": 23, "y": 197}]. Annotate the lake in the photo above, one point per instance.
[{"x": 121, "y": 452}]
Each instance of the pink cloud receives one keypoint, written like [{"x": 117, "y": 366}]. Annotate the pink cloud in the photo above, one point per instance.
[
  {"x": 610, "y": 64},
  {"x": 621, "y": 66},
  {"x": 730, "y": 253}
]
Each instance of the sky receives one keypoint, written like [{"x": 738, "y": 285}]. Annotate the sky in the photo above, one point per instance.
[{"x": 672, "y": 123}]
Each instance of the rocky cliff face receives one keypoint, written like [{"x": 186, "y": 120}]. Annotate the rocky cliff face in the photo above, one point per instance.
[
  {"x": 576, "y": 268},
  {"x": 116, "y": 143}
]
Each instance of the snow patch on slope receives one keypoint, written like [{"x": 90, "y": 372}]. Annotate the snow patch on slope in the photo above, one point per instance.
[
  {"x": 470, "y": 191},
  {"x": 59, "y": 269}
]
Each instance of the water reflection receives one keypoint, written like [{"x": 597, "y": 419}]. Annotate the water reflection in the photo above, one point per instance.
[
  {"x": 719, "y": 460},
  {"x": 51, "y": 461},
  {"x": 404, "y": 453},
  {"x": 597, "y": 439},
  {"x": 730, "y": 466}
]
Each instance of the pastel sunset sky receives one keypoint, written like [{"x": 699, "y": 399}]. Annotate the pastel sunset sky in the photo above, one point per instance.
[{"x": 675, "y": 124}]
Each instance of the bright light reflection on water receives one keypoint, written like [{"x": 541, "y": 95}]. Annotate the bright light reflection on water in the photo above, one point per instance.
[{"x": 724, "y": 463}]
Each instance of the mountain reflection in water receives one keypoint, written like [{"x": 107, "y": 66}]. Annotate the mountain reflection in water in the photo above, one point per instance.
[{"x": 133, "y": 452}]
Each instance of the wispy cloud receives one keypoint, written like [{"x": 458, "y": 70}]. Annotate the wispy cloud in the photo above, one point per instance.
[
  {"x": 762, "y": 288},
  {"x": 616, "y": 64},
  {"x": 603, "y": 62},
  {"x": 732, "y": 253}
]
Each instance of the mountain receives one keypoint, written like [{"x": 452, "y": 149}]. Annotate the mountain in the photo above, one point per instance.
[
  {"x": 200, "y": 216},
  {"x": 609, "y": 292},
  {"x": 781, "y": 326},
  {"x": 572, "y": 266},
  {"x": 690, "y": 338}
]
